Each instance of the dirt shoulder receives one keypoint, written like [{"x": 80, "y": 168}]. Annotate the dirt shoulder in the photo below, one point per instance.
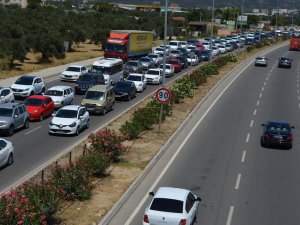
[{"x": 108, "y": 190}]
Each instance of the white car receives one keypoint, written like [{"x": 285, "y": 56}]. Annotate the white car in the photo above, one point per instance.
[
  {"x": 154, "y": 76},
  {"x": 6, "y": 95},
  {"x": 155, "y": 58},
  {"x": 261, "y": 61},
  {"x": 206, "y": 45},
  {"x": 216, "y": 50},
  {"x": 70, "y": 119},
  {"x": 222, "y": 48},
  {"x": 169, "y": 69},
  {"x": 6, "y": 153},
  {"x": 27, "y": 85},
  {"x": 174, "y": 44},
  {"x": 139, "y": 80},
  {"x": 61, "y": 95},
  {"x": 73, "y": 72},
  {"x": 193, "y": 60},
  {"x": 158, "y": 50},
  {"x": 171, "y": 206},
  {"x": 190, "y": 48}
]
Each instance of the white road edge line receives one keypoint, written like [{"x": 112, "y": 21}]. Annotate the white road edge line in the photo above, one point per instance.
[
  {"x": 251, "y": 123},
  {"x": 238, "y": 180},
  {"x": 133, "y": 214},
  {"x": 243, "y": 156},
  {"x": 247, "y": 138},
  {"x": 229, "y": 218},
  {"x": 33, "y": 130}
]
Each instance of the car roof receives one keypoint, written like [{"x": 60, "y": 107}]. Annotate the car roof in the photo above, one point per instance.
[
  {"x": 59, "y": 87},
  {"x": 72, "y": 107},
  {"x": 100, "y": 87},
  {"x": 172, "y": 193},
  {"x": 157, "y": 69},
  {"x": 136, "y": 74},
  {"x": 30, "y": 76},
  {"x": 42, "y": 97},
  {"x": 75, "y": 65},
  {"x": 277, "y": 122},
  {"x": 9, "y": 105}
]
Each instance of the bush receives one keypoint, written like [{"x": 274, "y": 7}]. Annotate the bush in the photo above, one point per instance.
[
  {"x": 108, "y": 142},
  {"x": 74, "y": 180},
  {"x": 250, "y": 48},
  {"x": 199, "y": 77},
  {"x": 209, "y": 69},
  {"x": 146, "y": 117},
  {"x": 231, "y": 57},
  {"x": 131, "y": 130},
  {"x": 96, "y": 163},
  {"x": 221, "y": 61}
]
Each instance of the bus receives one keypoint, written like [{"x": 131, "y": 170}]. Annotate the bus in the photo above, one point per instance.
[{"x": 111, "y": 68}]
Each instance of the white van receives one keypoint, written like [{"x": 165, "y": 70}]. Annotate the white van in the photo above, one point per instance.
[
  {"x": 111, "y": 68},
  {"x": 174, "y": 44}
]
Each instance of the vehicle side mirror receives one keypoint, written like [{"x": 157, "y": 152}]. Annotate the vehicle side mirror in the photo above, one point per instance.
[
  {"x": 16, "y": 116},
  {"x": 53, "y": 114},
  {"x": 263, "y": 124},
  {"x": 198, "y": 199},
  {"x": 151, "y": 193},
  {"x": 81, "y": 117}
]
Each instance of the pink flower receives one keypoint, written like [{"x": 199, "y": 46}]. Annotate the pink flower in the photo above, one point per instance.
[{"x": 20, "y": 222}]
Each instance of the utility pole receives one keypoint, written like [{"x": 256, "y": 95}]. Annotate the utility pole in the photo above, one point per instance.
[
  {"x": 241, "y": 26},
  {"x": 212, "y": 31},
  {"x": 277, "y": 19}
]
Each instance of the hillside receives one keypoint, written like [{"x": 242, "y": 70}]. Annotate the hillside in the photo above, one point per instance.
[{"x": 248, "y": 4}]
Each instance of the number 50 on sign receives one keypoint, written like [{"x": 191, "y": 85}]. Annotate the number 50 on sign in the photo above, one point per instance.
[{"x": 163, "y": 95}]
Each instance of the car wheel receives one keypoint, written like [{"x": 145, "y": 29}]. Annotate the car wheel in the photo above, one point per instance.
[
  {"x": 262, "y": 143},
  {"x": 104, "y": 111},
  {"x": 31, "y": 93},
  {"x": 77, "y": 131},
  {"x": 129, "y": 97},
  {"x": 43, "y": 90},
  {"x": 113, "y": 106},
  {"x": 10, "y": 159},
  {"x": 11, "y": 130},
  {"x": 72, "y": 101},
  {"x": 26, "y": 124},
  {"x": 87, "y": 124},
  {"x": 41, "y": 117}
]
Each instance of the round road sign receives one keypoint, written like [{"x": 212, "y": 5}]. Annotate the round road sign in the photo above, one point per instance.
[{"x": 163, "y": 95}]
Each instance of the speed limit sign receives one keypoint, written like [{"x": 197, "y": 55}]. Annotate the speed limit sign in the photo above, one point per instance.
[{"x": 163, "y": 95}]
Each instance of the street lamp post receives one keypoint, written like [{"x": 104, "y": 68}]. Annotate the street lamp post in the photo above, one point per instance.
[
  {"x": 277, "y": 19},
  {"x": 212, "y": 31},
  {"x": 241, "y": 27},
  {"x": 164, "y": 63}
]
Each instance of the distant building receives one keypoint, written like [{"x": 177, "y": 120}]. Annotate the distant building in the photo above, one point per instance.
[
  {"x": 21, "y": 3},
  {"x": 255, "y": 10},
  {"x": 279, "y": 11}
]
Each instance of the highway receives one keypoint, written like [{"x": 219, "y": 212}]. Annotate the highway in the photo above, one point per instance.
[
  {"x": 34, "y": 147},
  {"x": 218, "y": 155}
]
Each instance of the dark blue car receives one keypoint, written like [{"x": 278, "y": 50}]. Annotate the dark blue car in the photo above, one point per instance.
[
  {"x": 125, "y": 90},
  {"x": 88, "y": 80}
]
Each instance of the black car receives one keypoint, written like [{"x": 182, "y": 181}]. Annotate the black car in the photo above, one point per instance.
[
  {"x": 88, "y": 80},
  {"x": 196, "y": 52},
  {"x": 285, "y": 62},
  {"x": 183, "y": 51},
  {"x": 183, "y": 60},
  {"x": 277, "y": 133},
  {"x": 205, "y": 55},
  {"x": 125, "y": 90}
]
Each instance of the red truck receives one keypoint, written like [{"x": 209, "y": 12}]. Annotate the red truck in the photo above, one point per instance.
[
  {"x": 125, "y": 44},
  {"x": 295, "y": 43}
]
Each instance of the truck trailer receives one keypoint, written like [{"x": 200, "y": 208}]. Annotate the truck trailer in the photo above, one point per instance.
[
  {"x": 295, "y": 44},
  {"x": 126, "y": 44}
]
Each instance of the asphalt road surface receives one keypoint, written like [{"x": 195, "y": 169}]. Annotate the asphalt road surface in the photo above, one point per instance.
[{"x": 218, "y": 154}]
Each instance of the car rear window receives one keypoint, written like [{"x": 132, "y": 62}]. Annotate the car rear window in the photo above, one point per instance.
[{"x": 167, "y": 205}]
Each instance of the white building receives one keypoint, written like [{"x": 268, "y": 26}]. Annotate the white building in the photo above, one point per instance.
[{"x": 21, "y": 3}]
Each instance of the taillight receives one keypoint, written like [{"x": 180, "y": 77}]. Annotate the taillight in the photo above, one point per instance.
[
  {"x": 146, "y": 219},
  {"x": 182, "y": 222},
  {"x": 289, "y": 138}
]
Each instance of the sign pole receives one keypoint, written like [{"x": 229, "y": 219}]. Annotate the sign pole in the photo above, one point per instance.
[{"x": 164, "y": 64}]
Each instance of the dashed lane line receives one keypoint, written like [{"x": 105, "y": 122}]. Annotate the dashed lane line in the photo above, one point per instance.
[
  {"x": 229, "y": 218},
  {"x": 247, "y": 138},
  {"x": 254, "y": 113},
  {"x": 243, "y": 156},
  {"x": 260, "y": 95},
  {"x": 238, "y": 180},
  {"x": 251, "y": 123},
  {"x": 257, "y": 103},
  {"x": 33, "y": 130}
]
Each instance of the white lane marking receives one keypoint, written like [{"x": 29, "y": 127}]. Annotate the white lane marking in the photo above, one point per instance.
[
  {"x": 247, "y": 138},
  {"x": 298, "y": 97},
  {"x": 229, "y": 218},
  {"x": 299, "y": 105},
  {"x": 254, "y": 113},
  {"x": 260, "y": 95},
  {"x": 243, "y": 156},
  {"x": 251, "y": 123},
  {"x": 133, "y": 214},
  {"x": 265, "y": 83},
  {"x": 33, "y": 130},
  {"x": 257, "y": 103},
  {"x": 298, "y": 91},
  {"x": 263, "y": 88},
  {"x": 297, "y": 85},
  {"x": 267, "y": 78},
  {"x": 238, "y": 180}
]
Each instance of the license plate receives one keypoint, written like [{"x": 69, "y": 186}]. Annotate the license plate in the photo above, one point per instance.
[{"x": 89, "y": 109}]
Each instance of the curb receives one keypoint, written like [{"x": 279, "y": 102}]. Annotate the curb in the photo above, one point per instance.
[{"x": 114, "y": 210}]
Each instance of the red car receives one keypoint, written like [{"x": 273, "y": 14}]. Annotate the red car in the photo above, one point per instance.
[
  {"x": 39, "y": 107},
  {"x": 176, "y": 64},
  {"x": 200, "y": 47}
]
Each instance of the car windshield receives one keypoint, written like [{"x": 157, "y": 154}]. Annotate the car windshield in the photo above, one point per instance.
[
  {"x": 131, "y": 63},
  {"x": 221, "y": 46},
  {"x": 6, "y": 112},
  {"x": 94, "y": 95},
  {"x": 168, "y": 67},
  {"x": 159, "y": 49},
  {"x": 65, "y": 113},
  {"x": 285, "y": 59},
  {"x": 54, "y": 93},
  {"x": 73, "y": 69},
  {"x": 260, "y": 58},
  {"x": 173, "y": 62},
  {"x": 86, "y": 78},
  {"x": 278, "y": 127},
  {"x": 167, "y": 205},
  {"x": 24, "y": 81},
  {"x": 153, "y": 72},
  {"x": 115, "y": 48},
  {"x": 145, "y": 60},
  {"x": 173, "y": 43},
  {"x": 153, "y": 56},
  {"x": 122, "y": 84},
  {"x": 33, "y": 102},
  {"x": 134, "y": 78},
  {"x": 102, "y": 69},
  {"x": 174, "y": 52}
]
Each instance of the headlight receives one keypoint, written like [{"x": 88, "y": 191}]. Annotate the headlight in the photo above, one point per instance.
[
  {"x": 140, "y": 85},
  {"x": 156, "y": 78},
  {"x": 37, "y": 110},
  {"x": 99, "y": 105},
  {"x": 57, "y": 101},
  {"x": 51, "y": 124},
  {"x": 2, "y": 123},
  {"x": 27, "y": 89},
  {"x": 73, "y": 124}
]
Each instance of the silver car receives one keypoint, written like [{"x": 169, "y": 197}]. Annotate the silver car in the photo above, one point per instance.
[
  {"x": 6, "y": 153},
  {"x": 147, "y": 63},
  {"x": 261, "y": 61},
  {"x": 6, "y": 95}
]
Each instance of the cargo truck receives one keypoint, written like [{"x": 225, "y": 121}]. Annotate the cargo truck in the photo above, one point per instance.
[
  {"x": 125, "y": 44},
  {"x": 295, "y": 43}
]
